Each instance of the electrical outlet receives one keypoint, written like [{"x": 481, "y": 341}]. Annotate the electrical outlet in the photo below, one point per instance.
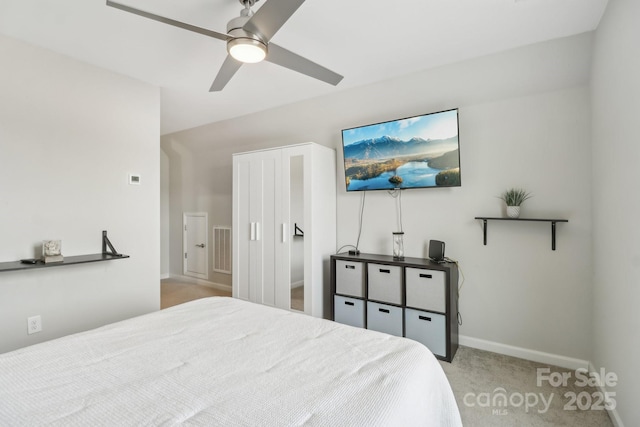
[{"x": 34, "y": 324}]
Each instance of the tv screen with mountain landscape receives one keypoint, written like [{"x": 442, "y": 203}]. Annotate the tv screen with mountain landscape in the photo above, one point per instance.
[{"x": 415, "y": 152}]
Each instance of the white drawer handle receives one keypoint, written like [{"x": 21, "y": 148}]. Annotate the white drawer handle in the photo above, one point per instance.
[
  {"x": 426, "y": 276},
  {"x": 348, "y": 303},
  {"x": 383, "y": 270},
  {"x": 384, "y": 310},
  {"x": 352, "y": 267},
  {"x": 428, "y": 319}
]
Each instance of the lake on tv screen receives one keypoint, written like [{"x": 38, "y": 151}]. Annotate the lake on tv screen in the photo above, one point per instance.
[{"x": 413, "y": 174}]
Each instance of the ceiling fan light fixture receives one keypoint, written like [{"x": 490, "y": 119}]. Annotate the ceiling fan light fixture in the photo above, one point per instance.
[{"x": 247, "y": 50}]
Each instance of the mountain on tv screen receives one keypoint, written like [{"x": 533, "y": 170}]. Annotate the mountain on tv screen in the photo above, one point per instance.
[{"x": 416, "y": 152}]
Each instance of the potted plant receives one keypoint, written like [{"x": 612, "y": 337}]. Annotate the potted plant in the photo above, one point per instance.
[{"x": 513, "y": 198}]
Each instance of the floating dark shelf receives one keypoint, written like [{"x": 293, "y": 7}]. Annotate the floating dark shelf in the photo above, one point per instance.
[
  {"x": 69, "y": 260},
  {"x": 551, "y": 220},
  {"x": 79, "y": 259}
]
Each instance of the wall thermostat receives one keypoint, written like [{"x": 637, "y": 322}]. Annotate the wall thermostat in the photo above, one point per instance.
[{"x": 134, "y": 179}]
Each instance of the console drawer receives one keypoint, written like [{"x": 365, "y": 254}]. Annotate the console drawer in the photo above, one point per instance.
[
  {"x": 428, "y": 328},
  {"x": 349, "y": 278},
  {"x": 384, "y": 318},
  {"x": 384, "y": 283},
  {"x": 426, "y": 289},
  {"x": 349, "y": 311}
]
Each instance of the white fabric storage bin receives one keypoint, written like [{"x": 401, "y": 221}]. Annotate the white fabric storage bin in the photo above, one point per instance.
[
  {"x": 349, "y": 278},
  {"x": 428, "y": 328},
  {"x": 349, "y": 311},
  {"x": 384, "y": 318},
  {"x": 384, "y": 283},
  {"x": 426, "y": 289}
]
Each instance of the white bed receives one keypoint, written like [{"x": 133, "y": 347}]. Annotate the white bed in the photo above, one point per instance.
[{"x": 225, "y": 362}]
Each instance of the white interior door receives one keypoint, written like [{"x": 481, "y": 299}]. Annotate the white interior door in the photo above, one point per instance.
[
  {"x": 264, "y": 218},
  {"x": 243, "y": 228},
  {"x": 253, "y": 216},
  {"x": 258, "y": 228},
  {"x": 195, "y": 245},
  {"x": 296, "y": 190},
  {"x": 293, "y": 209},
  {"x": 270, "y": 243}
]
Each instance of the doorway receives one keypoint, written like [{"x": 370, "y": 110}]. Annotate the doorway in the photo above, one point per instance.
[{"x": 195, "y": 245}]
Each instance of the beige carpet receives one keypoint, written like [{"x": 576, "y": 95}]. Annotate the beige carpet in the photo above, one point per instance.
[{"x": 478, "y": 379}]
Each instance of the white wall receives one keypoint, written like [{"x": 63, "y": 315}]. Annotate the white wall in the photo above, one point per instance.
[
  {"x": 616, "y": 206},
  {"x": 524, "y": 117},
  {"x": 70, "y": 134}
]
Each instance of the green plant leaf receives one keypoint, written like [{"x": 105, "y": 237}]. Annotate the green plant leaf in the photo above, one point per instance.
[{"x": 515, "y": 196}]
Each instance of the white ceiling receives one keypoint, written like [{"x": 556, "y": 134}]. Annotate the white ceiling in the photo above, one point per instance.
[{"x": 364, "y": 41}]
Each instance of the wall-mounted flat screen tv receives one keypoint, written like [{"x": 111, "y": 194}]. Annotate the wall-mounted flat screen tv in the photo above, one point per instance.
[{"x": 415, "y": 152}]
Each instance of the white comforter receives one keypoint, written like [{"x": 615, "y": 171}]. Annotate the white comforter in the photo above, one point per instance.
[{"x": 225, "y": 362}]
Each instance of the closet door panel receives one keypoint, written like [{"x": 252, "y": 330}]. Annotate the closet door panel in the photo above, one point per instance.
[
  {"x": 294, "y": 250},
  {"x": 242, "y": 227},
  {"x": 284, "y": 236},
  {"x": 263, "y": 227},
  {"x": 254, "y": 252},
  {"x": 270, "y": 233}
]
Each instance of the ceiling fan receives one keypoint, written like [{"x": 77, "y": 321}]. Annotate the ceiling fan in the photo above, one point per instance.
[{"x": 248, "y": 40}]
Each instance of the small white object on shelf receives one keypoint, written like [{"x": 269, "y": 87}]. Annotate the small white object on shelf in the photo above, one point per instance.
[{"x": 52, "y": 251}]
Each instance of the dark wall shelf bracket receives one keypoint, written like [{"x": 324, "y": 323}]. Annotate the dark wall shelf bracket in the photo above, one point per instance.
[
  {"x": 297, "y": 232},
  {"x": 107, "y": 243},
  {"x": 552, "y": 221}
]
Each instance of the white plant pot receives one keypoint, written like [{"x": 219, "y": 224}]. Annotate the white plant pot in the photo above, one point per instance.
[{"x": 513, "y": 211}]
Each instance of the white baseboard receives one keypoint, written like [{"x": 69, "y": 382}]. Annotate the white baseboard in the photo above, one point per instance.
[
  {"x": 297, "y": 284},
  {"x": 613, "y": 413},
  {"x": 165, "y": 276},
  {"x": 218, "y": 286},
  {"x": 524, "y": 353}
]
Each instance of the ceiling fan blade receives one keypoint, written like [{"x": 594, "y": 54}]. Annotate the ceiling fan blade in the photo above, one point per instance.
[
  {"x": 285, "y": 58},
  {"x": 228, "y": 69},
  {"x": 270, "y": 17},
  {"x": 169, "y": 21}
]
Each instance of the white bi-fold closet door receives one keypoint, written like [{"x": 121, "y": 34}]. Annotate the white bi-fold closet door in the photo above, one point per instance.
[
  {"x": 257, "y": 213},
  {"x": 274, "y": 191}
]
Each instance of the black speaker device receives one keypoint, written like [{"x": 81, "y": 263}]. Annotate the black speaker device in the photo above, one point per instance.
[{"x": 436, "y": 250}]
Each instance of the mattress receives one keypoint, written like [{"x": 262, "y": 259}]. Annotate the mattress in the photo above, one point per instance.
[{"x": 225, "y": 362}]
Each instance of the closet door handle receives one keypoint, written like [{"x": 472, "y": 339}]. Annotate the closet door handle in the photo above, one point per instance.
[
  {"x": 383, "y": 310},
  {"x": 352, "y": 267},
  {"x": 348, "y": 303},
  {"x": 284, "y": 232},
  {"x": 255, "y": 231},
  {"x": 384, "y": 270},
  {"x": 428, "y": 319},
  {"x": 426, "y": 276}
]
